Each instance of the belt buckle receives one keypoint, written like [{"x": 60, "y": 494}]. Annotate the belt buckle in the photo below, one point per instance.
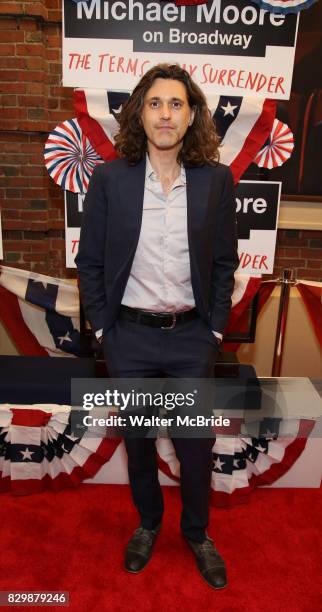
[{"x": 174, "y": 320}]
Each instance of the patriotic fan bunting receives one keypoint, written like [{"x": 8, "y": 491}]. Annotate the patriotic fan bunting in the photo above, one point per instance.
[
  {"x": 69, "y": 157},
  {"x": 284, "y": 6},
  {"x": 41, "y": 313},
  {"x": 278, "y": 148},
  {"x": 241, "y": 463},
  {"x": 38, "y": 451}
]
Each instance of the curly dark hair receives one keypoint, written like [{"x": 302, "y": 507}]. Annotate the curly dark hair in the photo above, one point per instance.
[{"x": 201, "y": 141}]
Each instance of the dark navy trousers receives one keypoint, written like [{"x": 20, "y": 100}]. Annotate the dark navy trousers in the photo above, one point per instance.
[{"x": 188, "y": 350}]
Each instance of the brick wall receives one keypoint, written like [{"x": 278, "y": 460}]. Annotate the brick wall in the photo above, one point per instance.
[
  {"x": 300, "y": 250},
  {"x": 32, "y": 102}
]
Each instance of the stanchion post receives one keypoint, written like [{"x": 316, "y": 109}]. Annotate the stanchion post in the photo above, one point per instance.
[{"x": 286, "y": 282}]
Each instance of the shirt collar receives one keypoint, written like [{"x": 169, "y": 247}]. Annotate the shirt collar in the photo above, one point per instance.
[{"x": 150, "y": 173}]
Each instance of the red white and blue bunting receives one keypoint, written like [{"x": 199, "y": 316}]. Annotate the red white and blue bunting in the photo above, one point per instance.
[
  {"x": 69, "y": 157},
  {"x": 41, "y": 313},
  {"x": 39, "y": 452},
  {"x": 284, "y": 6},
  {"x": 278, "y": 148}
]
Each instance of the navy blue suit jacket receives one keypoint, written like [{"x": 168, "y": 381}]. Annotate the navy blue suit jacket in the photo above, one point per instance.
[{"x": 110, "y": 232}]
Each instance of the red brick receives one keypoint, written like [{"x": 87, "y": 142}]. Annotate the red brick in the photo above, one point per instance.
[
  {"x": 55, "y": 68},
  {"x": 13, "y": 193},
  {"x": 15, "y": 203},
  {"x": 33, "y": 257},
  {"x": 38, "y": 226},
  {"x": 10, "y": 8},
  {"x": 33, "y": 194},
  {"x": 311, "y": 233},
  {"x": 31, "y": 148},
  {"x": 291, "y": 252},
  {"x": 9, "y": 214},
  {"x": 13, "y": 87},
  {"x": 314, "y": 263},
  {"x": 54, "y": 79},
  {"x": 35, "y": 63},
  {"x": 53, "y": 213},
  {"x": 57, "y": 243},
  {"x": 57, "y": 203},
  {"x": 289, "y": 263},
  {"x": 58, "y": 116},
  {"x": 36, "y": 182},
  {"x": 41, "y": 247},
  {"x": 32, "y": 170},
  {"x": 7, "y": 75},
  {"x": 294, "y": 242},
  {"x": 37, "y": 137},
  {"x": 52, "y": 103},
  {"x": 9, "y": 100},
  {"x": 29, "y": 125},
  {"x": 312, "y": 253},
  {"x": 9, "y": 63},
  {"x": 53, "y": 4},
  {"x": 37, "y": 101},
  {"x": 14, "y": 37},
  {"x": 55, "y": 15},
  {"x": 36, "y": 8},
  {"x": 61, "y": 92},
  {"x": 16, "y": 246},
  {"x": 30, "y": 49},
  {"x": 53, "y": 55},
  {"x": 30, "y": 25},
  {"x": 8, "y": 24},
  {"x": 7, "y": 49},
  {"x": 56, "y": 224},
  {"x": 15, "y": 158},
  {"x": 36, "y": 88},
  {"x": 13, "y": 113},
  {"x": 35, "y": 159},
  {"x": 32, "y": 76},
  {"x": 67, "y": 105},
  {"x": 15, "y": 181},
  {"x": 13, "y": 224},
  {"x": 53, "y": 41},
  {"x": 34, "y": 215},
  {"x": 304, "y": 274},
  {"x": 53, "y": 29}
]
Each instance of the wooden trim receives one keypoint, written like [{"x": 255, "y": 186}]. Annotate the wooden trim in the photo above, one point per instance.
[{"x": 304, "y": 214}]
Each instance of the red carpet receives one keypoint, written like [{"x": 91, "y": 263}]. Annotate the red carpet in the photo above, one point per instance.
[{"x": 74, "y": 541}]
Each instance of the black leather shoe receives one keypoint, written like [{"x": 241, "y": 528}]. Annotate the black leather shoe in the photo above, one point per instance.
[
  {"x": 139, "y": 548},
  {"x": 209, "y": 562}
]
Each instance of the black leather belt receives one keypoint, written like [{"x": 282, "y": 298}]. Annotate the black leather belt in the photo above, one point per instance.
[{"x": 157, "y": 319}]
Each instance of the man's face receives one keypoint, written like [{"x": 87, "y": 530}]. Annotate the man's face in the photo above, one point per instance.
[{"x": 166, "y": 114}]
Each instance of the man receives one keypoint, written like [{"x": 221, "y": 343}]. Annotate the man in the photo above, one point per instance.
[{"x": 156, "y": 262}]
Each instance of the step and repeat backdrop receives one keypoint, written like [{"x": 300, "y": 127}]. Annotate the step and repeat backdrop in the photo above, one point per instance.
[{"x": 241, "y": 55}]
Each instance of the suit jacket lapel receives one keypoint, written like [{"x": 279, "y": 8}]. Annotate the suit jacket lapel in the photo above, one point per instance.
[
  {"x": 197, "y": 201},
  {"x": 131, "y": 200},
  {"x": 132, "y": 196}
]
